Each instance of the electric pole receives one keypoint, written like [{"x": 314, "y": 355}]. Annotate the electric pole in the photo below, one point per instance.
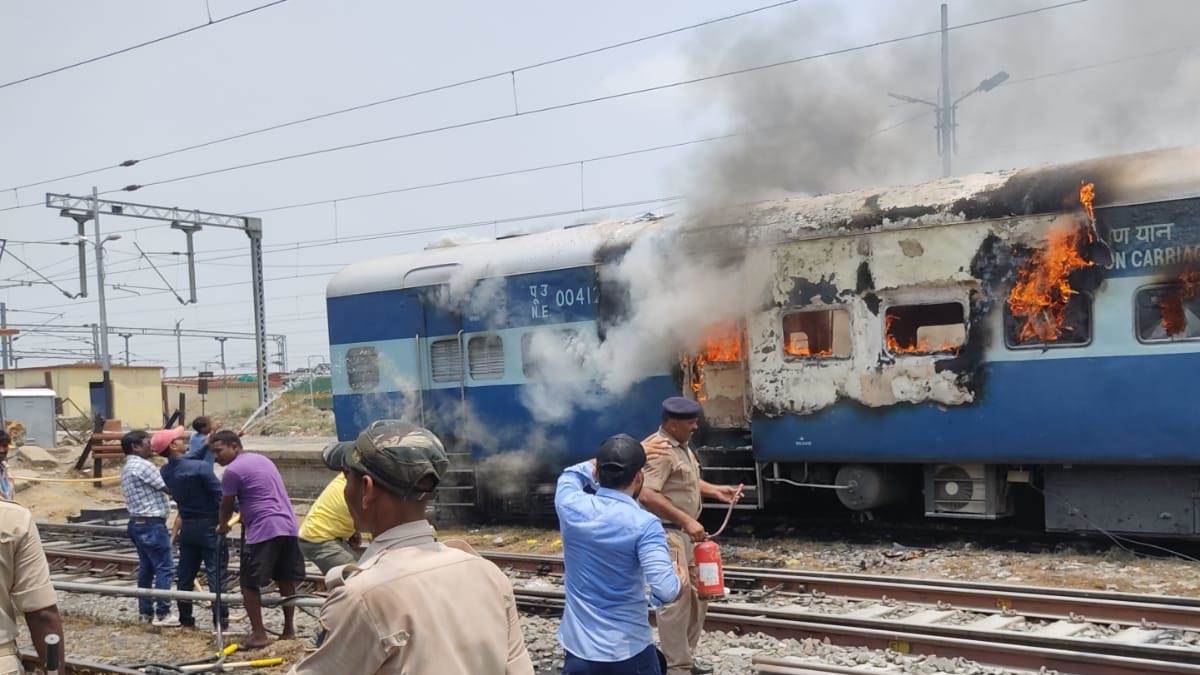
[
  {"x": 178, "y": 349},
  {"x": 224, "y": 373},
  {"x": 126, "y": 336},
  {"x": 5, "y": 347},
  {"x": 105, "y": 360},
  {"x": 946, "y": 108}
]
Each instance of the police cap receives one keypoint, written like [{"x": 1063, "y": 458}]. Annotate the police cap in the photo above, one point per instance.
[
  {"x": 399, "y": 456},
  {"x": 619, "y": 460},
  {"x": 680, "y": 408}
]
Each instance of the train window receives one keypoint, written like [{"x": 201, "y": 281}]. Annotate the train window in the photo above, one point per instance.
[
  {"x": 1168, "y": 312},
  {"x": 362, "y": 368},
  {"x": 485, "y": 357},
  {"x": 817, "y": 334},
  {"x": 446, "y": 360},
  {"x": 547, "y": 350},
  {"x": 1045, "y": 331},
  {"x": 939, "y": 328}
]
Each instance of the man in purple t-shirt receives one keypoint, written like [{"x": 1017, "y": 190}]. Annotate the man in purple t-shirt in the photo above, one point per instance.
[{"x": 270, "y": 548}]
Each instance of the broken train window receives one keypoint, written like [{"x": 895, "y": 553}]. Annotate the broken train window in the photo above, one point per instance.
[
  {"x": 446, "y": 360},
  {"x": 544, "y": 351},
  {"x": 816, "y": 333},
  {"x": 1168, "y": 312},
  {"x": 362, "y": 368},
  {"x": 1069, "y": 327},
  {"x": 938, "y": 328},
  {"x": 485, "y": 357}
]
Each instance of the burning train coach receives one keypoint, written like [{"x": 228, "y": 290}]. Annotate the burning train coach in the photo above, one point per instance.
[{"x": 937, "y": 348}]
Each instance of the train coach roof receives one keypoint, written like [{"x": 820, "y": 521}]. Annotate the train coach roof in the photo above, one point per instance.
[{"x": 1124, "y": 179}]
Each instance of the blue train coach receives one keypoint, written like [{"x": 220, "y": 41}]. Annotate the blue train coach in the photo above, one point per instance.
[{"x": 943, "y": 348}]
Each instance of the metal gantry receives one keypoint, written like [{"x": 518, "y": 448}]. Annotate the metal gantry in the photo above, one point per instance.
[{"x": 81, "y": 209}]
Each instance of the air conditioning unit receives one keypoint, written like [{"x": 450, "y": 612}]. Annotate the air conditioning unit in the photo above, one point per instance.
[{"x": 966, "y": 491}]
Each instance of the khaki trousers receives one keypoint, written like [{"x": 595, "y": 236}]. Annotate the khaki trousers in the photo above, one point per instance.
[
  {"x": 681, "y": 622},
  {"x": 10, "y": 663}
]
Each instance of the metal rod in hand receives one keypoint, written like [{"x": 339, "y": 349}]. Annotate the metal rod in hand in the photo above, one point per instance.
[{"x": 222, "y": 565}]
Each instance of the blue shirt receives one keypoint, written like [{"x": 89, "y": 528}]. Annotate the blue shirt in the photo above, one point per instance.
[
  {"x": 194, "y": 487},
  {"x": 612, "y": 550},
  {"x": 196, "y": 450}
]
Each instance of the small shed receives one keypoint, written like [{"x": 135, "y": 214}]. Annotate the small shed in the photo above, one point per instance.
[{"x": 33, "y": 408}]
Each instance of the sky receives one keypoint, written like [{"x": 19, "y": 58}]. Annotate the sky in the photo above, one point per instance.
[{"x": 1092, "y": 78}]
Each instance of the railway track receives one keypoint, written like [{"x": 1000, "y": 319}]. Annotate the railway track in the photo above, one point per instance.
[{"x": 1073, "y": 631}]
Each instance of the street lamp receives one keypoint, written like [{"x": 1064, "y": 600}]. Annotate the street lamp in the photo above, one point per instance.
[
  {"x": 105, "y": 360},
  {"x": 947, "y": 114}
]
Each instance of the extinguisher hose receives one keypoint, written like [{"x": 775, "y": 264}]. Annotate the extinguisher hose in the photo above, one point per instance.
[{"x": 728, "y": 513}]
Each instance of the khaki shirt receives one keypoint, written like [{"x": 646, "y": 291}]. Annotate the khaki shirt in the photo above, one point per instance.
[
  {"x": 24, "y": 575},
  {"x": 676, "y": 476},
  {"x": 412, "y": 605}
]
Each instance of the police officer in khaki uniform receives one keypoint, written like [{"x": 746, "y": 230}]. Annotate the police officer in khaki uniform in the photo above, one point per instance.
[
  {"x": 672, "y": 491},
  {"x": 411, "y": 604},
  {"x": 24, "y": 587}
]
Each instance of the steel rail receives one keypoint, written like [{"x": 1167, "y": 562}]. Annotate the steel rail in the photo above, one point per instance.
[
  {"x": 1033, "y": 601},
  {"x": 1173, "y": 612},
  {"x": 1019, "y": 649},
  {"x": 995, "y": 649}
]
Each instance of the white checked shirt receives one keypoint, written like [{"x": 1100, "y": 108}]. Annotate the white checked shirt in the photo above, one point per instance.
[{"x": 143, "y": 488}]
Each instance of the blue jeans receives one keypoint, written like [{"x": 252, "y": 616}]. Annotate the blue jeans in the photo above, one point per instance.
[
  {"x": 198, "y": 544},
  {"x": 645, "y": 662},
  {"x": 155, "y": 564}
]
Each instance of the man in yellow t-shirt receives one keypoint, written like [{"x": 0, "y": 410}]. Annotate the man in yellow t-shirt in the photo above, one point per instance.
[{"x": 328, "y": 535}]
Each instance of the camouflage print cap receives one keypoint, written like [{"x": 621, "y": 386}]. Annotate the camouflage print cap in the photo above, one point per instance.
[{"x": 399, "y": 456}]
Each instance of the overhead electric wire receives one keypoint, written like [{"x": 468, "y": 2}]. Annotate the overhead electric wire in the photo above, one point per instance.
[
  {"x": 580, "y": 102},
  {"x": 412, "y": 94},
  {"x": 407, "y": 233},
  {"x": 160, "y": 276},
  {"x": 139, "y": 45},
  {"x": 571, "y": 104},
  {"x": 44, "y": 278}
]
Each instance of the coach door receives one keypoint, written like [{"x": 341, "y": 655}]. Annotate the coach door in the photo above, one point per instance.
[{"x": 445, "y": 402}]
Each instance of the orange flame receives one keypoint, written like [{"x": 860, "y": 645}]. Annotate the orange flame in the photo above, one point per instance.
[
  {"x": 794, "y": 349},
  {"x": 922, "y": 346},
  {"x": 1087, "y": 199},
  {"x": 1043, "y": 288},
  {"x": 723, "y": 344},
  {"x": 1171, "y": 304}
]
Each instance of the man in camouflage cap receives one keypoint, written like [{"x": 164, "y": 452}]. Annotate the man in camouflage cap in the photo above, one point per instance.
[{"x": 411, "y": 604}]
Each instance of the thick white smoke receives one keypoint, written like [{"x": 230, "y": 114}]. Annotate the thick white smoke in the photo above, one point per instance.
[
  {"x": 680, "y": 280},
  {"x": 1097, "y": 78}
]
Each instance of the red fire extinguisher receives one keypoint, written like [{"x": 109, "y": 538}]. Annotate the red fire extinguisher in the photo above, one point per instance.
[{"x": 710, "y": 574}]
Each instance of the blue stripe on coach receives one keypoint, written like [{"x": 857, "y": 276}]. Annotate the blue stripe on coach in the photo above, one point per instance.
[{"x": 1117, "y": 410}]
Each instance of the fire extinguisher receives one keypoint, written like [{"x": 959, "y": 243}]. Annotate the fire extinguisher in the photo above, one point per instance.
[{"x": 710, "y": 574}]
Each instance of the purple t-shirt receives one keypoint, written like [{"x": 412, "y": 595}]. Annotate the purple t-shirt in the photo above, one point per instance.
[{"x": 262, "y": 499}]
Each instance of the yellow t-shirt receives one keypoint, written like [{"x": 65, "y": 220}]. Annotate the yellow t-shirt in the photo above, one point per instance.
[{"x": 329, "y": 518}]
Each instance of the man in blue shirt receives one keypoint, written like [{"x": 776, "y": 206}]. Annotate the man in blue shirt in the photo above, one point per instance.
[
  {"x": 197, "y": 493},
  {"x": 612, "y": 550}
]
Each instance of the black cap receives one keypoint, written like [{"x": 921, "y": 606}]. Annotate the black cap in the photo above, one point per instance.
[
  {"x": 619, "y": 460},
  {"x": 678, "y": 407}
]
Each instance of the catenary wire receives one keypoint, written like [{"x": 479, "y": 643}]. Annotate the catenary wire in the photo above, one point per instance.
[
  {"x": 139, "y": 45},
  {"x": 407, "y": 95},
  {"x": 406, "y": 233},
  {"x": 281, "y": 248},
  {"x": 581, "y": 102}
]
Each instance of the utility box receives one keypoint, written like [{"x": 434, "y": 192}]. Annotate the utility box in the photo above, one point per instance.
[{"x": 35, "y": 409}]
